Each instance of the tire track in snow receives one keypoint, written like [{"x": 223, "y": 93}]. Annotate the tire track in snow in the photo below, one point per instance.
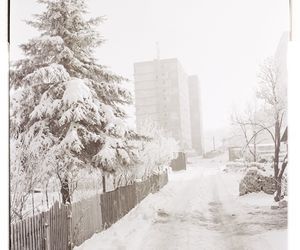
[{"x": 226, "y": 223}]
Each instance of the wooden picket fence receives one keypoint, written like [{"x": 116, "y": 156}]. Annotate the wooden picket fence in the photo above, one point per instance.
[
  {"x": 48, "y": 230},
  {"x": 86, "y": 219},
  {"x": 66, "y": 226}
]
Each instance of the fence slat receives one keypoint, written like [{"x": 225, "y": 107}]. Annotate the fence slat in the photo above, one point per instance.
[
  {"x": 23, "y": 234},
  {"x": 17, "y": 232},
  {"x": 12, "y": 242},
  {"x": 39, "y": 236},
  {"x": 34, "y": 233},
  {"x": 36, "y": 225},
  {"x": 29, "y": 233},
  {"x": 55, "y": 226}
]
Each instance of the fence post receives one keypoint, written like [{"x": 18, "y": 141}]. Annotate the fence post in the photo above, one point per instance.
[
  {"x": 103, "y": 183},
  {"x": 46, "y": 227},
  {"x": 69, "y": 226}
]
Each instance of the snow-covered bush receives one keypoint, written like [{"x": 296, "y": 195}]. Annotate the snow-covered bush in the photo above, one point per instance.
[
  {"x": 157, "y": 153},
  {"x": 259, "y": 177},
  {"x": 66, "y": 109},
  {"x": 256, "y": 181},
  {"x": 23, "y": 180}
]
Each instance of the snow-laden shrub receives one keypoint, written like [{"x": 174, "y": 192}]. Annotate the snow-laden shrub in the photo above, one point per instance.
[
  {"x": 154, "y": 153},
  {"x": 157, "y": 153},
  {"x": 256, "y": 181},
  {"x": 259, "y": 177},
  {"x": 23, "y": 181}
]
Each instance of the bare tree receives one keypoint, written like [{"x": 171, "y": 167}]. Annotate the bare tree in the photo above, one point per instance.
[
  {"x": 272, "y": 92},
  {"x": 250, "y": 130}
]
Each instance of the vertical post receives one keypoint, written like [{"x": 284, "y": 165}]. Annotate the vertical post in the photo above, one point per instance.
[
  {"x": 103, "y": 183},
  {"x": 69, "y": 226},
  {"x": 46, "y": 227}
]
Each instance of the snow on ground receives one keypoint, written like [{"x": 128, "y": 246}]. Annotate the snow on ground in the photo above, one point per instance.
[{"x": 198, "y": 209}]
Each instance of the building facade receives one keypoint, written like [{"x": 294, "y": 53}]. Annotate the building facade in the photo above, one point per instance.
[
  {"x": 162, "y": 95},
  {"x": 196, "y": 114}
]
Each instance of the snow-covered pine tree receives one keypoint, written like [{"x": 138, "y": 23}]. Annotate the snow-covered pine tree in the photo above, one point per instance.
[{"x": 66, "y": 109}]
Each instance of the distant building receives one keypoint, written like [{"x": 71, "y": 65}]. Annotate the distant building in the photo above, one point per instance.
[
  {"x": 196, "y": 114},
  {"x": 162, "y": 94}
]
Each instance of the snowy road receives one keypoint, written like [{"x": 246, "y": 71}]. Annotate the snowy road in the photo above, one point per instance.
[{"x": 198, "y": 209}]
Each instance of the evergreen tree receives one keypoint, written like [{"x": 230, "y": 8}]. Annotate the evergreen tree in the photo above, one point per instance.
[{"x": 66, "y": 109}]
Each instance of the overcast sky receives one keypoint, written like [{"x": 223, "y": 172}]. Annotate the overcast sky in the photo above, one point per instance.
[{"x": 222, "y": 41}]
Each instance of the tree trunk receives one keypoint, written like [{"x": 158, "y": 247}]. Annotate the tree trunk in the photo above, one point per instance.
[
  {"x": 279, "y": 178},
  {"x": 278, "y": 191},
  {"x": 65, "y": 191},
  {"x": 47, "y": 198},
  {"x": 254, "y": 148},
  {"x": 276, "y": 161}
]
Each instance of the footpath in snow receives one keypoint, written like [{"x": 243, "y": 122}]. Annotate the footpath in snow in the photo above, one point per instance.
[{"x": 198, "y": 209}]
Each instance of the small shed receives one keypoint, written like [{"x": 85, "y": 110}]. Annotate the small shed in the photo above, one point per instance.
[
  {"x": 179, "y": 163},
  {"x": 235, "y": 153}
]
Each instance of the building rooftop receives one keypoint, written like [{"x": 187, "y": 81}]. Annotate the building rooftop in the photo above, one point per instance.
[{"x": 161, "y": 60}]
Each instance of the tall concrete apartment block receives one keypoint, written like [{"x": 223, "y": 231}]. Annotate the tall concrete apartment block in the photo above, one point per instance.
[
  {"x": 196, "y": 114},
  {"x": 162, "y": 94}
]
